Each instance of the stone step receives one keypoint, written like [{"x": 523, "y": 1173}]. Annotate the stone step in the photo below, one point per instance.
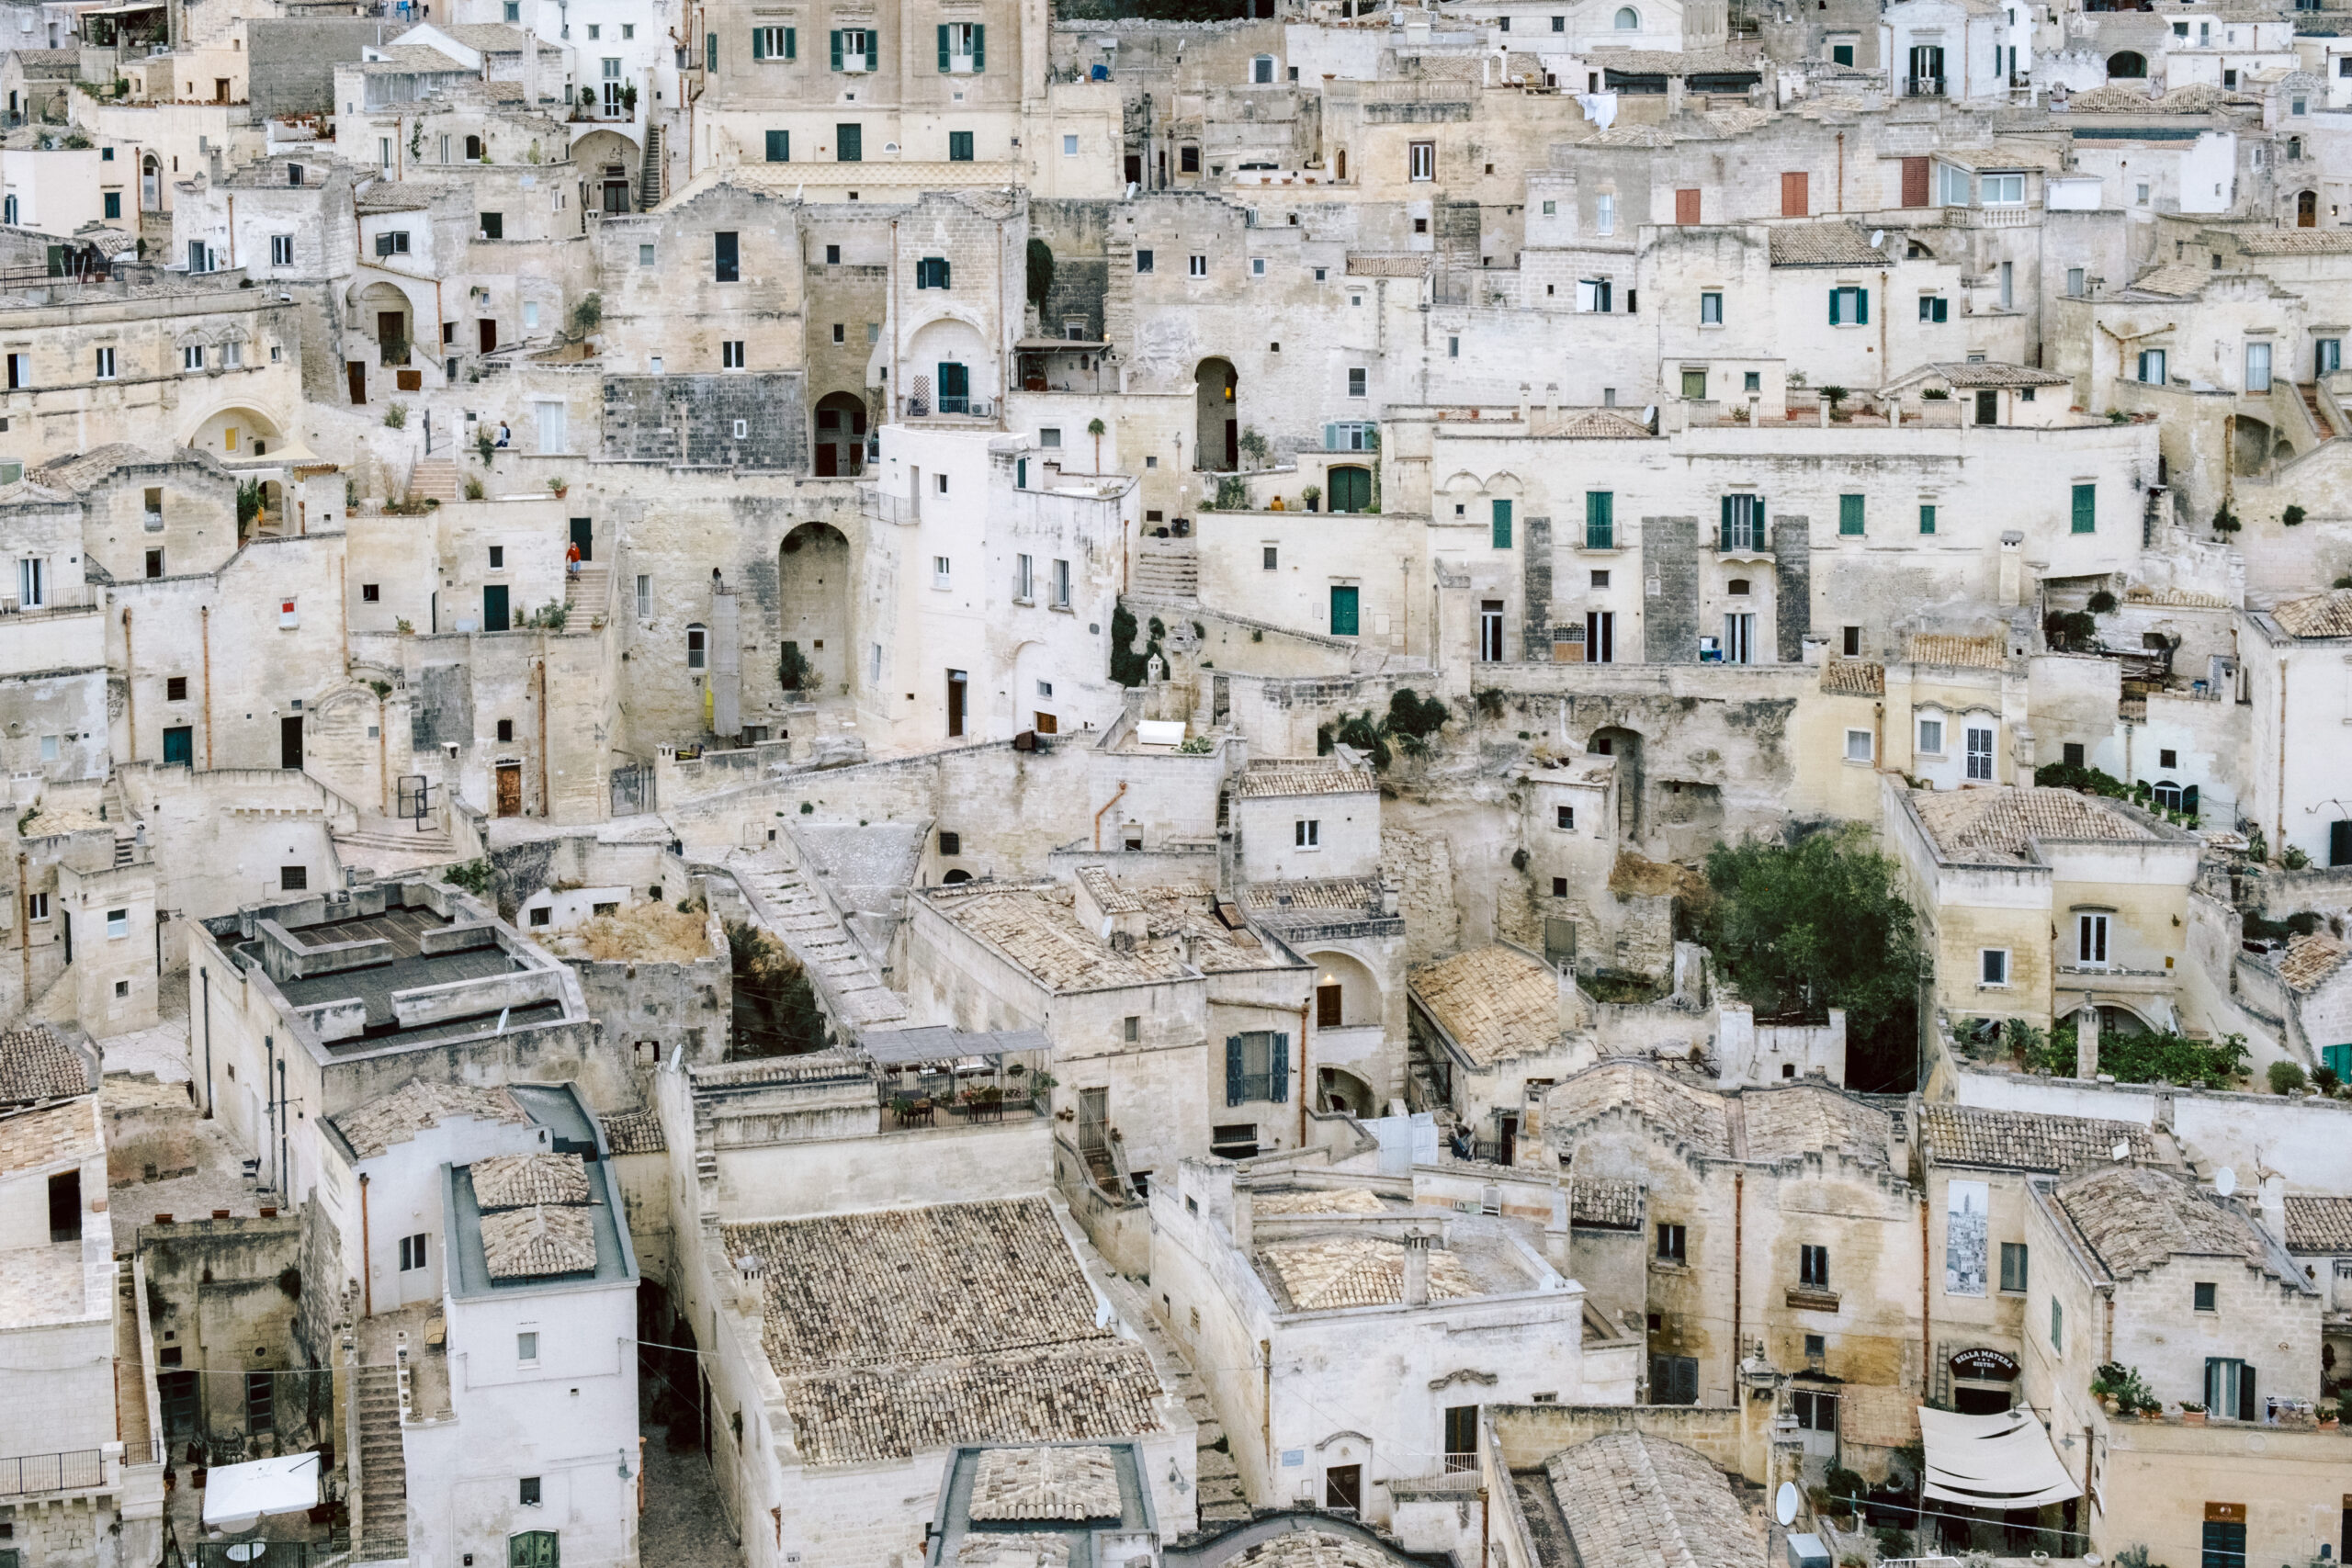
[{"x": 434, "y": 479}]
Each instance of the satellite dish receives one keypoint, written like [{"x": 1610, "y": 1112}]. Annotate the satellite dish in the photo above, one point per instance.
[
  {"x": 1785, "y": 1504},
  {"x": 2225, "y": 1181},
  {"x": 2121, "y": 1152},
  {"x": 1877, "y": 235}
]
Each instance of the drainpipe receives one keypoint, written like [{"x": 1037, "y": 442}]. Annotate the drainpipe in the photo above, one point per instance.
[
  {"x": 233, "y": 232},
  {"x": 269, "y": 1110},
  {"x": 25, "y": 927},
  {"x": 285, "y": 1183},
  {"x": 130, "y": 688},
  {"x": 367, "y": 1255},
  {"x": 545, "y": 807},
  {"x": 1266, "y": 1406},
  {"x": 1098, "y": 819},
  {"x": 204, "y": 636},
  {"x": 1926, "y": 1336},
  {"x": 1841, "y": 171},
  {"x": 1738, "y": 1242},
  {"x": 205, "y": 974},
  {"x": 1302, "y": 1075}
]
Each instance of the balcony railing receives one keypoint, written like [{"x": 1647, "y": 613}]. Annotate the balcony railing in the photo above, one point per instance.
[
  {"x": 1923, "y": 86},
  {"x": 77, "y": 1469}
]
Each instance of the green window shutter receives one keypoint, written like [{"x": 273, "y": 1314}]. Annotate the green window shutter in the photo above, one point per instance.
[
  {"x": 979, "y": 46},
  {"x": 1278, "y": 1067},
  {"x": 792, "y": 43},
  {"x": 1600, "y": 519},
  {"x": 1849, "y": 514},
  {"x": 710, "y": 53},
  {"x": 873, "y": 50},
  {"x": 837, "y": 48},
  {"x": 1502, "y": 524},
  {"x": 1833, "y": 307},
  {"x": 2087, "y": 509},
  {"x": 1862, "y": 307},
  {"x": 780, "y": 147},
  {"x": 1926, "y": 519},
  {"x": 943, "y": 49},
  {"x": 758, "y": 43},
  {"x": 1233, "y": 1090},
  {"x": 1727, "y": 528}
]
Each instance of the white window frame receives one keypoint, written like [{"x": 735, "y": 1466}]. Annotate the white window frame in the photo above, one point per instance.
[
  {"x": 942, "y": 572},
  {"x": 1860, "y": 747},
  {"x": 1931, "y": 737},
  {"x": 2001, "y": 189},
  {"x": 1979, "y": 757},
  {"x": 1306, "y": 833},
  {"x": 1060, "y": 585},
  {"x": 2157, "y": 359},
  {"x": 117, "y": 924},
  {"x": 105, "y": 364},
  {"x": 2094, "y": 940},
  {"x": 1420, "y": 161},
  {"x": 1992, "y": 969},
  {"x": 2257, "y": 366},
  {"x": 1024, "y": 582},
  {"x": 644, "y": 597},
  {"x": 1196, "y": 266}
]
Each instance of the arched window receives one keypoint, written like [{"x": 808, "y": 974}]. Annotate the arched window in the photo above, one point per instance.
[
  {"x": 1261, "y": 70},
  {"x": 2294, "y": 149},
  {"x": 473, "y": 148},
  {"x": 2129, "y": 65},
  {"x": 698, "y": 646},
  {"x": 956, "y": 877},
  {"x": 1737, "y": 585},
  {"x": 1628, "y": 19}
]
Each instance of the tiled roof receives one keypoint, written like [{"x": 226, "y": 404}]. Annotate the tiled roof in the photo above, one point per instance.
[
  {"x": 1108, "y": 896},
  {"x": 1968, "y": 374},
  {"x": 904, "y": 1329},
  {"x": 1355, "y": 1271},
  {"x": 1605, "y": 1202},
  {"x": 1853, "y": 678},
  {"x": 397, "y": 1117},
  {"x": 529, "y": 1244},
  {"x": 1046, "y": 1483},
  {"x": 49, "y": 1135},
  {"x": 2174, "y": 279},
  {"x": 1599, "y": 425},
  {"x": 1412, "y": 265},
  {"x": 1495, "y": 1001},
  {"x": 1631, "y": 134},
  {"x": 84, "y": 470},
  {"x": 36, "y": 1065},
  {"x": 2119, "y": 98},
  {"x": 1635, "y": 1501},
  {"x": 519, "y": 1181},
  {"x": 1041, "y": 935},
  {"x": 1314, "y": 1549},
  {"x": 1823, "y": 244},
  {"x": 1803, "y": 1117},
  {"x": 2310, "y": 960},
  {"x": 1352, "y": 894},
  {"x": 1694, "y": 1117},
  {"x": 1270, "y": 776},
  {"x": 1957, "y": 652},
  {"x": 2025, "y": 1140},
  {"x": 1996, "y": 824},
  {"x": 1331, "y": 1200},
  {"x": 2134, "y": 1218},
  {"x": 2295, "y": 242},
  {"x": 2318, "y": 1223},
  {"x": 1672, "y": 62},
  {"x": 635, "y": 1132},
  {"x": 2322, "y": 615},
  {"x": 1013, "y": 1549},
  {"x": 2173, "y": 594}
]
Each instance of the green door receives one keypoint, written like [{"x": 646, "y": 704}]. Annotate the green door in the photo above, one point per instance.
[
  {"x": 1343, "y": 612},
  {"x": 179, "y": 746},
  {"x": 954, "y": 388},
  {"x": 532, "y": 1549},
  {"x": 494, "y": 608},
  {"x": 1351, "y": 490}
]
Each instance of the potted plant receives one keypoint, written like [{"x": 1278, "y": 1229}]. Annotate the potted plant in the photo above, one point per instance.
[
  {"x": 560, "y": 487},
  {"x": 1313, "y": 496},
  {"x": 2192, "y": 1413}
]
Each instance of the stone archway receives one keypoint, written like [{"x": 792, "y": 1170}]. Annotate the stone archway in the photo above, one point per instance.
[
  {"x": 1216, "y": 400},
  {"x": 1338, "y": 1088},
  {"x": 2127, "y": 65},
  {"x": 607, "y": 164},
  {"x": 1347, "y": 994},
  {"x": 812, "y": 607},
  {"x": 840, "y": 446},
  {"x": 1625, "y": 744}
]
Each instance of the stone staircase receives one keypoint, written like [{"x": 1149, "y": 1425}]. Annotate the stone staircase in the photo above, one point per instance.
[
  {"x": 781, "y": 891},
  {"x": 588, "y": 591},
  {"x": 383, "y": 1466},
  {"x": 393, "y": 834},
  {"x": 2325, "y": 426},
  {"x": 434, "y": 478},
  {"x": 649, "y": 172},
  {"x": 1168, "y": 572},
  {"x": 1220, "y": 1479}
]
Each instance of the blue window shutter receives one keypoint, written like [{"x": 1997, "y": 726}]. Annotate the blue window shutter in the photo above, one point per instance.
[
  {"x": 792, "y": 43},
  {"x": 758, "y": 43},
  {"x": 1233, "y": 1090},
  {"x": 780, "y": 147},
  {"x": 1278, "y": 1067},
  {"x": 943, "y": 49},
  {"x": 837, "y": 48},
  {"x": 979, "y": 46},
  {"x": 1330, "y": 438},
  {"x": 1862, "y": 307}
]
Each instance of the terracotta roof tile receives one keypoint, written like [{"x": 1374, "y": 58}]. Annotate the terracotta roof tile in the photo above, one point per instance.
[
  {"x": 1823, "y": 244},
  {"x": 2136, "y": 1218},
  {"x": 1057, "y": 1483},
  {"x": 1695, "y": 1118},
  {"x": 1955, "y": 652},
  {"x": 1802, "y": 1118},
  {"x": 529, "y": 1244},
  {"x": 1329, "y": 1200},
  {"x": 520, "y": 1182},
  {"x": 2026, "y": 1140},
  {"x": 49, "y": 1135},
  {"x": 635, "y": 1132},
  {"x": 2318, "y": 1223},
  {"x": 1853, "y": 678},
  {"x": 1605, "y": 1202},
  {"x": 1632, "y": 1499},
  {"x": 1493, "y": 1001},
  {"x": 395, "y": 1117},
  {"x": 35, "y": 1063},
  {"x": 1982, "y": 825},
  {"x": 2310, "y": 960},
  {"x": 1267, "y": 777},
  {"x": 2322, "y": 615},
  {"x": 1326, "y": 1273}
]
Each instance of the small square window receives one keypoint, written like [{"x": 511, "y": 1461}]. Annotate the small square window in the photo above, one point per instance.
[
  {"x": 2166, "y": 758},
  {"x": 2206, "y": 1292},
  {"x": 175, "y": 689},
  {"x": 645, "y": 256},
  {"x": 118, "y": 922},
  {"x": 294, "y": 878},
  {"x": 951, "y": 843},
  {"x": 526, "y": 1349},
  {"x": 497, "y": 558},
  {"x": 506, "y": 729},
  {"x": 122, "y": 987},
  {"x": 1993, "y": 966},
  {"x": 1271, "y": 557},
  {"x": 1815, "y": 1347},
  {"x": 528, "y": 1493},
  {"x": 1857, "y": 745},
  {"x": 1565, "y": 818},
  {"x": 543, "y": 915},
  {"x": 371, "y": 593},
  {"x": 1143, "y": 261},
  {"x": 1131, "y": 1028},
  {"x": 1559, "y": 888},
  {"x": 1600, "y": 580}
]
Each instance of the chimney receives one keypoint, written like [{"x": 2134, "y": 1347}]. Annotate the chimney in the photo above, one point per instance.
[
  {"x": 1245, "y": 1211},
  {"x": 2086, "y": 1044},
  {"x": 2012, "y": 565},
  {"x": 2270, "y": 1207},
  {"x": 1417, "y": 1267},
  {"x": 1526, "y": 404},
  {"x": 1572, "y": 1008}
]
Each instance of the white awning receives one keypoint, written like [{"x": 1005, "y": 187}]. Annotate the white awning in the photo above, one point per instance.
[
  {"x": 237, "y": 1495},
  {"x": 1992, "y": 1462}
]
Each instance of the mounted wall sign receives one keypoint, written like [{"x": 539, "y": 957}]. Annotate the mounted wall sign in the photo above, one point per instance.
[{"x": 1984, "y": 1364}]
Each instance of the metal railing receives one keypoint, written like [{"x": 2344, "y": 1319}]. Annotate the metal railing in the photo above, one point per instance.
[
  {"x": 1923, "y": 86},
  {"x": 76, "y": 1469}
]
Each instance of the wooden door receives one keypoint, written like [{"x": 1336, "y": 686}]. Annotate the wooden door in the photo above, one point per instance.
[
  {"x": 510, "y": 789},
  {"x": 391, "y": 330},
  {"x": 1048, "y": 724},
  {"x": 955, "y": 689},
  {"x": 583, "y": 533},
  {"x": 1796, "y": 195},
  {"x": 1686, "y": 206},
  {"x": 290, "y": 742},
  {"x": 1915, "y": 182},
  {"x": 355, "y": 372},
  {"x": 1327, "y": 1005},
  {"x": 487, "y": 330}
]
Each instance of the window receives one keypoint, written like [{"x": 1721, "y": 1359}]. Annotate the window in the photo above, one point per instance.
[
  {"x": 2229, "y": 1388},
  {"x": 940, "y": 569},
  {"x": 1980, "y": 754},
  {"x": 2013, "y": 1266},
  {"x": 1143, "y": 261},
  {"x": 855, "y": 49},
  {"x": 1564, "y": 818},
  {"x": 1271, "y": 558},
  {"x": 1813, "y": 1268},
  {"x": 526, "y": 1348},
  {"x": 2205, "y": 1290},
  {"x": 1850, "y": 515},
  {"x": 1196, "y": 266},
  {"x": 1257, "y": 1067},
  {"x": 1814, "y": 1412},
  {"x": 931, "y": 271},
  {"x": 1306, "y": 833},
  {"x": 534, "y": 1548},
  {"x": 2257, "y": 367},
  {"x": 394, "y": 244},
  {"x": 528, "y": 1493},
  {"x": 779, "y": 146},
  {"x": 1023, "y": 586},
  {"x": 118, "y": 922},
  {"x": 1188, "y": 160},
  {"x": 261, "y": 1402},
  {"x": 37, "y": 904},
  {"x": 2057, "y": 1325},
  {"x": 1500, "y": 530},
  {"x": 730, "y": 354},
  {"x": 1852, "y": 643},
  {"x": 1262, "y": 70},
  {"x": 1628, "y": 19},
  {"x": 1934, "y": 308},
  {"x": 1599, "y": 520},
  {"x": 1927, "y": 517},
  {"x": 1420, "y": 160},
  {"x": 1992, "y": 965},
  {"x": 294, "y": 878},
  {"x": 725, "y": 259},
  {"x": 1742, "y": 522},
  {"x": 1604, "y": 213},
  {"x": 1849, "y": 307},
  {"x": 698, "y": 646},
  {"x": 1594, "y": 295},
  {"x": 1857, "y": 745},
  {"x": 191, "y": 358},
  {"x": 492, "y": 225},
  {"x": 959, "y": 146},
  {"x": 1069, "y": 146},
  {"x": 2001, "y": 190},
  {"x": 1931, "y": 737},
  {"x": 413, "y": 1251},
  {"x": 774, "y": 43},
  {"x": 1356, "y": 378},
  {"x": 106, "y": 365},
  {"x": 963, "y": 47},
  {"x": 1061, "y": 587},
  {"x": 1673, "y": 1243},
  {"x": 1711, "y": 307},
  {"x": 175, "y": 689}
]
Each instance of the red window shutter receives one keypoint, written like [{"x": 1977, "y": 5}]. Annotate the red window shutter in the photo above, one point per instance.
[
  {"x": 1686, "y": 206},
  {"x": 1796, "y": 198}
]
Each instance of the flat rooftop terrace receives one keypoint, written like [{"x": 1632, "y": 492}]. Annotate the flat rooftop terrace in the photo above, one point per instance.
[{"x": 391, "y": 953}]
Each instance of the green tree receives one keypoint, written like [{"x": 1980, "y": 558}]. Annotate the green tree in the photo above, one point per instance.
[
  {"x": 1041, "y": 270},
  {"x": 1822, "y": 923}
]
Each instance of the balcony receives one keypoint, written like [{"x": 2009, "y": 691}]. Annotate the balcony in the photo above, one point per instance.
[
  {"x": 32, "y": 1476},
  {"x": 1923, "y": 86},
  {"x": 948, "y": 407}
]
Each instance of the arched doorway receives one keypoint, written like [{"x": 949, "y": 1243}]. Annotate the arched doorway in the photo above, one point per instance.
[
  {"x": 841, "y": 436},
  {"x": 1625, "y": 744},
  {"x": 382, "y": 314},
  {"x": 1346, "y": 994},
  {"x": 607, "y": 163},
  {"x": 150, "y": 185},
  {"x": 950, "y": 369},
  {"x": 233, "y": 432},
  {"x": 2307, "y": 209},
  {"x": 1350, "y": 488},
  {"x": 1336, "y": 1089},
  {"x": 2129, "y": 65},
  {"x": 2250, "y": 448},
  {"x": 813, "y": 610},
  {"x": 1216, "y": 398}
]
